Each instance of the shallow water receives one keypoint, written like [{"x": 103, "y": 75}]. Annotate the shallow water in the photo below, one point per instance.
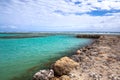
[{"x": 20, "y": 58}]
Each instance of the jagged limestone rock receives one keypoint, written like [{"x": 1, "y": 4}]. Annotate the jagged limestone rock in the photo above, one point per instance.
[{"x": 64, "y": 66}]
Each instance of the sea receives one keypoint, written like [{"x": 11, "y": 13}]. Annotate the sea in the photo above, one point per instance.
[{"x": 23, "y": 54}]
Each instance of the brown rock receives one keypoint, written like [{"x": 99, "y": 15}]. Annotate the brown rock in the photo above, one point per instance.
[
  {"x": 54, "y": 78},
  {"x": 97, "y": 59},
  {"x": 111, "y": 60},
  {"x": 103, "y": 56},
  {"x": 101, "y": 37},
  {"x": 101, "y": 52},
  {"x": 64, "y": 77},
  {"x": 64, "y": 66},
  {"x": 78, "y": 52}
]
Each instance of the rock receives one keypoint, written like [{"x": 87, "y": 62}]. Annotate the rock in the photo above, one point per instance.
[
  {"x": 78, "y": 52},
  {"x": 95, "y": 76},
  {"x": 103, "y": 56},
  {"x": 97, "y": 58},
  {"x": 64, "y": 77},
  {"x": 54, "y": 78},
  {"x": 94, "y": 53},
  {"x": 77, "y": 58},
  {"x": 110, "y": 59},
  {"x": 84, "y": 49},
  {"x": 64, "y": 66},
  {"x": 101, "y": 37},
  {"x": 118, "y": 58},
  {"x": 101, "y": 52},
  {"x": 114, "y": 77},
  {"x": 44, "y": 75}
]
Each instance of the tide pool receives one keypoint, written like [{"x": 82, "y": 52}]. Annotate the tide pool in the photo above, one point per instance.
[{"x": 21, "y": 58}]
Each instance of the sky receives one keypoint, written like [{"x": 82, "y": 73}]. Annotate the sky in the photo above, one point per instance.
[{"x": 59, "y": 15}]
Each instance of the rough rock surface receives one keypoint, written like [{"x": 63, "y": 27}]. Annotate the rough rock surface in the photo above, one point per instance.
[
  {"x": 54, "y": 78},
  {"x": 63, "y": 77},
  {"x": 44, "y": 75},
  {"x": 99, "y": 61},
  {"x": 64, "y": 66}
]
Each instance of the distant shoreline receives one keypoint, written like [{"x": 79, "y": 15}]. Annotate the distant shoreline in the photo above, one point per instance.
[{"x": 44, "y": 34}]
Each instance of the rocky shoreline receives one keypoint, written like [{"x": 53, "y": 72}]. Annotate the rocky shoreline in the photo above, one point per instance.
[{"x": 98, "y": 61}]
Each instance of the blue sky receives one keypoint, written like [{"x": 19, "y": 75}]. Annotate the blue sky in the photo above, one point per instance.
[{"x": 60, "y": 15}]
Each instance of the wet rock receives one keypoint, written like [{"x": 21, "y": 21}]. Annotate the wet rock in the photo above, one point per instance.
[
  {"x": 64, "y": 66},
  {"x": 44, "y": 75}
]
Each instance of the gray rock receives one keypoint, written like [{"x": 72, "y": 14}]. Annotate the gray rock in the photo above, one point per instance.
[
  {"x": 94, "y": 54},
  {"x": 43, "y": 75},
  {"x": 77, "y": 58},
  {"x": 114, "y": 77},
  {"x": 95, "y": 76}
]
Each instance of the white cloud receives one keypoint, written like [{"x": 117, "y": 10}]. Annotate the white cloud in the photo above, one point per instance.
[
  {"x": 42, "y": 13},
  {"x": 13, "y": 27}
]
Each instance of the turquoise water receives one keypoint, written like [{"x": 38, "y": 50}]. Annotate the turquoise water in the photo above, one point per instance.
[{"x": 20, "y": 58}]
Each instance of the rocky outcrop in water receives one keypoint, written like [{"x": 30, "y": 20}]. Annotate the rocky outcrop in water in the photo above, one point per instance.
[
  {"x": 87, "y": 36},
  {"x": 64, "y": 66}
]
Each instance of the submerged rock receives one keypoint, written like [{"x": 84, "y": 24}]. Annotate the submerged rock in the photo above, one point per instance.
[
  {"x": 64, "y": 66},
  {"x": 44, "y": 75}
]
